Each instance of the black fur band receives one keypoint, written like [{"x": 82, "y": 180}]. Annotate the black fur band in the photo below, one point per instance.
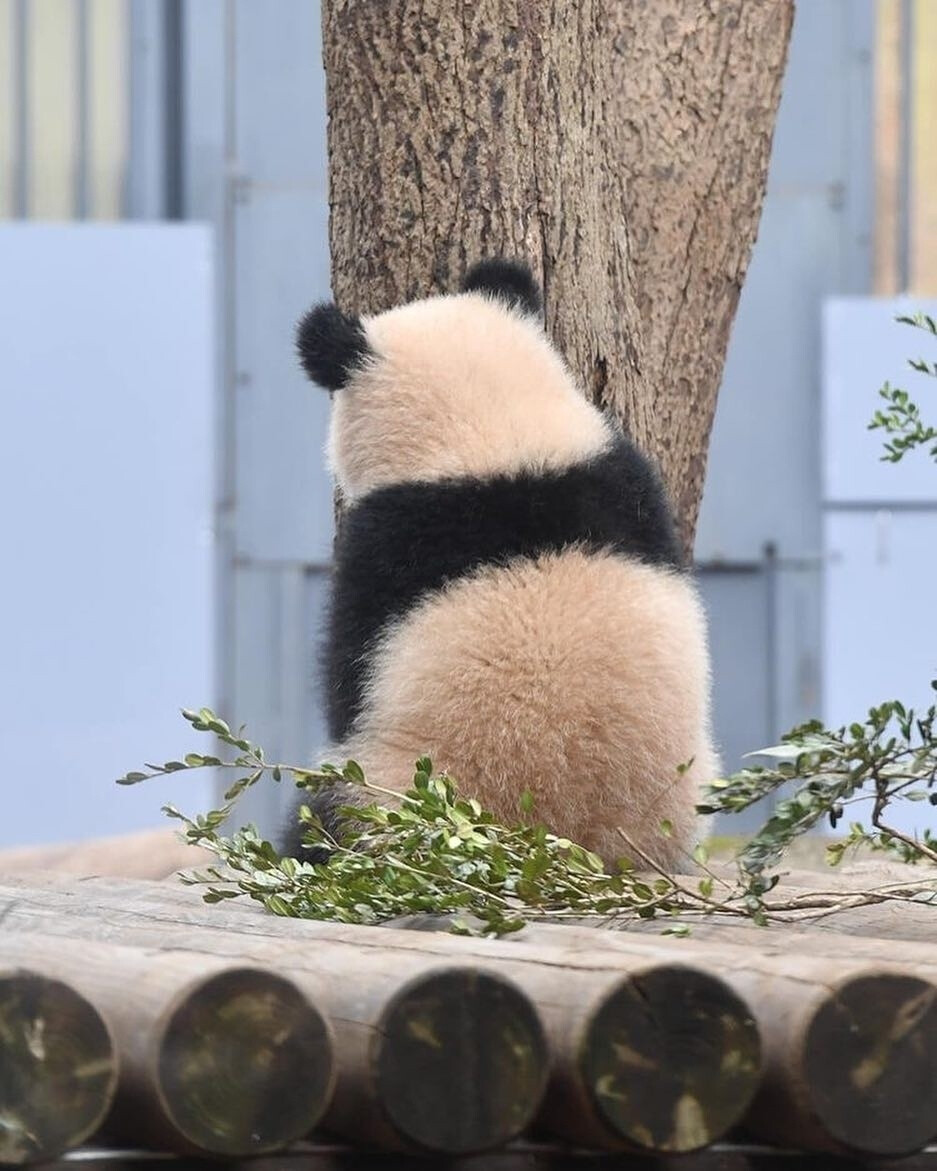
[{"x": 401, "y": 542}]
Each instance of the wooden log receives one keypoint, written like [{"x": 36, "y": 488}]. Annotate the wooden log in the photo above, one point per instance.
[
  {"x": 646, "y": 1053},
  {"x": 58, "y": 1066},
  {"x": 442, "y": 1056},
  {"x": 782, "y": 940},
  {"x": 450, "y": 1059},
  {"x": 850, "y": 1043},
  {"x": 663, "y": 1060},
  {"x": 151, "y": 853},
  {"x": 214, "y": 1058},
  {"x": 884, "y": 919}
]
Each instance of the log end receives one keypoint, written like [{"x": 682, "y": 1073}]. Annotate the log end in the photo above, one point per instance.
[
  {"x": 244, "y": 1064},
  {"x": 59, "y": 1071},
  {"x": 670, "y": 1060},
  {"x": 460, "y": 1061},
  {"x": 870, "y": 1064}
]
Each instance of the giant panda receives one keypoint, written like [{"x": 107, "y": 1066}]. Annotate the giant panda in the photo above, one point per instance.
[{"x": 509, "y": 595}]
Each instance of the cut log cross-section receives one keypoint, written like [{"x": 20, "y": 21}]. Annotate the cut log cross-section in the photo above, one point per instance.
[
  {"x": 58, "y": 1065},
  {"x": 209, "y": 1051},
  {"x": 649, "y": 1052}
]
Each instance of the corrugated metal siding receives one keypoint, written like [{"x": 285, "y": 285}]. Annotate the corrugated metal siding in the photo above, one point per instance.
[{"x": 64, "y": 108}]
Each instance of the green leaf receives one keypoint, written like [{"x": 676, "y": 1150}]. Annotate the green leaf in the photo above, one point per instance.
[
  {"x": 132, "y": 778},
  {"x": 353, "y": 772}
]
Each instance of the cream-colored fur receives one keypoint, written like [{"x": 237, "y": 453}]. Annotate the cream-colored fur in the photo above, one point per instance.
[
  {"x": 462, "y": 386},
  {"x": 581, "y": 677}
]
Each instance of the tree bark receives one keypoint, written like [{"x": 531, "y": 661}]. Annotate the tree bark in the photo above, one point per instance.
[{"x": 620, "y": 147}]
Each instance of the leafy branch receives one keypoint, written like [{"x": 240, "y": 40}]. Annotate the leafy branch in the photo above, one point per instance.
[
  {"x": 901, "y": 417},
  {"x": 890, "y": 757},
  {"x": 435, "y": 852},
  {"x": 432, "y": 852}
]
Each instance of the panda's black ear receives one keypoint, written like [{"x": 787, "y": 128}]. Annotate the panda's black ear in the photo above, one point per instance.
[
  {"x": 331, "y": 344},
  {"x": 509, "y": 281}
]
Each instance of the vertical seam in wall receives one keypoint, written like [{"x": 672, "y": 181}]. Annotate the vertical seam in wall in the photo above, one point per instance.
[
  {"x": 227, "y": 505},
  {"x": 904, "y": 165},
  {"x": 174, "y": 112},
  {"x": 21, "y": 103},
  {"x": 82, "y": 111}
]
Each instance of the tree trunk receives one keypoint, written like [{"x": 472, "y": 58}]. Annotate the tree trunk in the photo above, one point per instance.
[{"x": 620, "y": 147}]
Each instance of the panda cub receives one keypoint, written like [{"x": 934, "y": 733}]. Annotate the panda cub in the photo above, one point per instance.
[{"x": 508, "y": 596}]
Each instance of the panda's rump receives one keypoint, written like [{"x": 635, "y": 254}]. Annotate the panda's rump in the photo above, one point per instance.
[{"x": 579, "y": 676}]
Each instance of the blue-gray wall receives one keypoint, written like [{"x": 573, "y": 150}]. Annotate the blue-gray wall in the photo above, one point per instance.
[
  {"x": 759, "y": 541},
  {"x": 240, "y": 145}
]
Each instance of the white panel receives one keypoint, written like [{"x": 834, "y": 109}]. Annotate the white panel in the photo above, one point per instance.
[
  {"x": 880, "y": 638},
  {"x": 106, "y": 487},
  {"x": 863, "y": 347}
]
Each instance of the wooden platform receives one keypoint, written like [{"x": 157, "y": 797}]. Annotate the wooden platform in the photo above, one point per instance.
[{"x": 138, "y": 1018}]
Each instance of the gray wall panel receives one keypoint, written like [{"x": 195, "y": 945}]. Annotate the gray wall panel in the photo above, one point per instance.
[
  {"x": 764, "y": 462},
  {"x": 281, "y": 86},
  {"x": 277, "y": 641},
  {"x": 763, "y": 485},
  {"x": 284, "y": 494}
]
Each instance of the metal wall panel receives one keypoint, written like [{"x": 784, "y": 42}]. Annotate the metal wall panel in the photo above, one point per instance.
[
  {"x": 881, "y": 634},
  {"x": 278, "y": 613},
  {"x": 281, "y": 265},
  {"x": 152, "y": 146},
  {"x": 763, "y": 486},
  {"x": 107, "y": 593},
  {"x": 255, "y": 163},
  {"x": 738, "y": 605},
  {"x": 284, "y": 494},
  {"x": 813, "y": 240},
  {"x": 281, "y": 80},
  {"x": 108, "y": 109}
]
